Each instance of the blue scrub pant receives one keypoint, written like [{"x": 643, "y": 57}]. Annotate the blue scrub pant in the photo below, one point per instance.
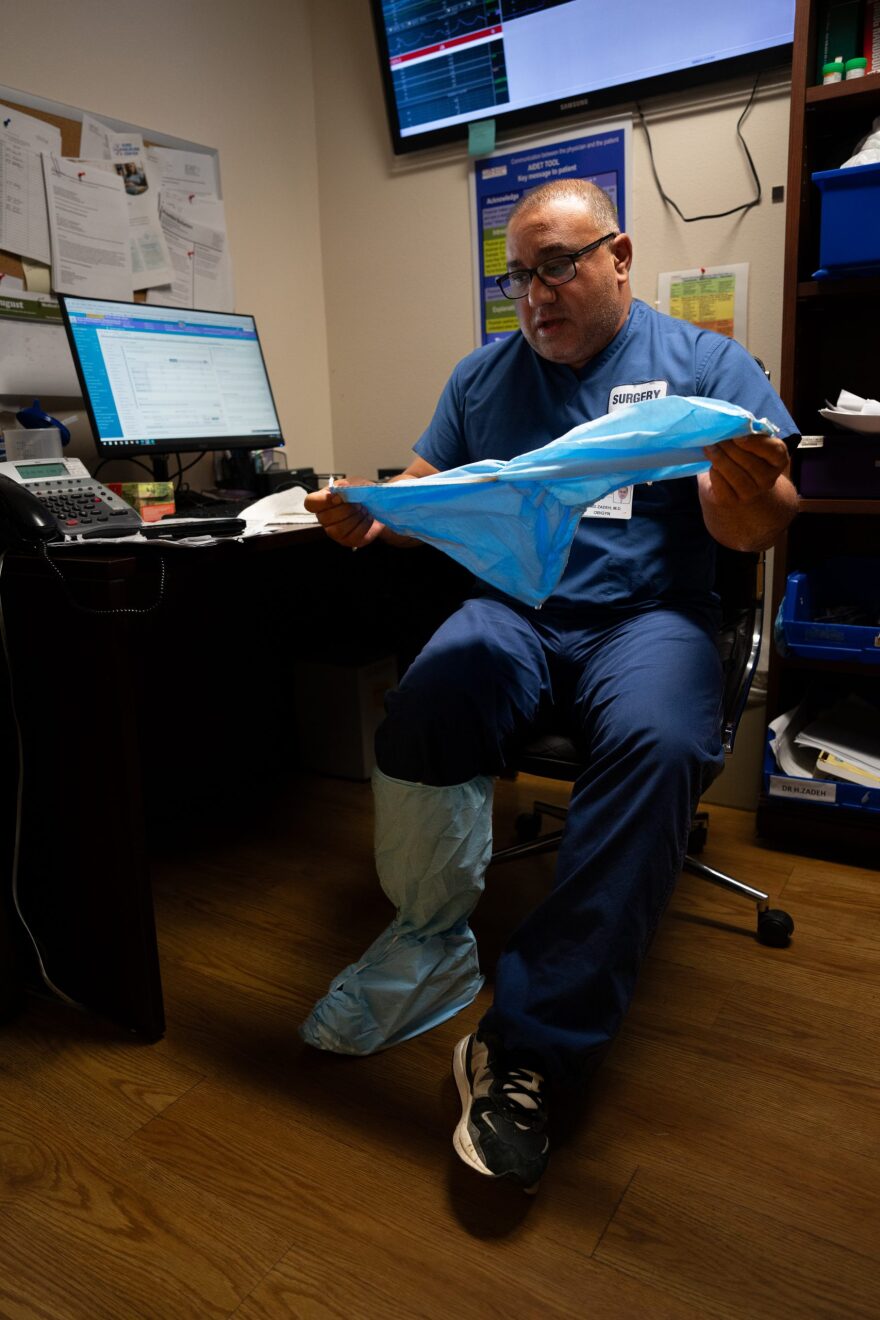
[{"x": 644, "y": 694}]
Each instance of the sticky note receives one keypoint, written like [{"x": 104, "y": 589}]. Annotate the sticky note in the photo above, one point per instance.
[
  {"x": 37, "y": 276},
  {"x": 481, "y": 137}
]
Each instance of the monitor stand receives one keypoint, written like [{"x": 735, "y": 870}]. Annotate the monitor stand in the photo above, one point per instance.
[
  {"x": 237, "y": 471},
  {"x": 160, "y": 469}
]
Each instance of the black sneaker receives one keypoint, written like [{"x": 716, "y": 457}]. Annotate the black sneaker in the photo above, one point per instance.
[{"x": 501, "y": 1132}]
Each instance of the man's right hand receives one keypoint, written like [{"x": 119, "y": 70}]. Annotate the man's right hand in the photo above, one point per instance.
[{"x": 349, "y": 524}]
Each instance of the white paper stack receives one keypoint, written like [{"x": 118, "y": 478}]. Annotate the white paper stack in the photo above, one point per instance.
[
  {"x": 846, "y": 741},
  {"x": 841, "y": 743},
  {"x": 284, "y": 509}
]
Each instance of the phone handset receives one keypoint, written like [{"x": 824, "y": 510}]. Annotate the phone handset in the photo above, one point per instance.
[
  {"x": 27, "y": 524},
  {"x": 24, "y": 520}
]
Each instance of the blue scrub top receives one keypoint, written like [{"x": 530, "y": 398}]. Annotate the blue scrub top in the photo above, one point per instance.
[{"x": 505, "y": 399}]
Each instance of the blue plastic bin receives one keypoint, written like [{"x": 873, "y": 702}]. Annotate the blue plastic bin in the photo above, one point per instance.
[
  {"x": 846, "y": 580},
  {"x": 830, "y": 793},
  {"x": 849, "y": 234}
]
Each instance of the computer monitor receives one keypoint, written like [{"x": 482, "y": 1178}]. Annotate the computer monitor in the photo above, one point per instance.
[
  {"x": 169, "y": 380},
  {"x": 448, "y": 63}
]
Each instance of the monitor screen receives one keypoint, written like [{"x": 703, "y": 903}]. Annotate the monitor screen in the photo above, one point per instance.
[
  {"x": 168, "y": 380},
  {"x": 447, "y": 63}
]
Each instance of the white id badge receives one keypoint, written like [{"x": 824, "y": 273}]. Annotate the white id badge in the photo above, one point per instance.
[
  {"x": 619, "y": 504},
  {"x": 623, "y": 395}
]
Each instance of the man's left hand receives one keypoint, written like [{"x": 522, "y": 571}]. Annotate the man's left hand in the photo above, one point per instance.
[
  {"x": 746, "y": 495},
  {"x": 744, "y": 469}
]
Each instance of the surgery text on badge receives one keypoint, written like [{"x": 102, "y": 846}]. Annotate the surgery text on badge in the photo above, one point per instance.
[{"x": 621, "y": 395}]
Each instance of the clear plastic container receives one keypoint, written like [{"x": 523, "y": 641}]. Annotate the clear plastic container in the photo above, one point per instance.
[{"x": 33, "y": 442}]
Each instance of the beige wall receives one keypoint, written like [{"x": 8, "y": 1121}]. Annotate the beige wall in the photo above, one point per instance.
[
  {"x": 390, "y": 228},
  {"x": 337, "y": 252},
  {"x": 228, "y": 75},
  {"x": 358, "y": 266}
]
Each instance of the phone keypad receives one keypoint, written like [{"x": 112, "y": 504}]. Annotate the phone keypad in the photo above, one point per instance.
[{"x": 83, "y": 506}]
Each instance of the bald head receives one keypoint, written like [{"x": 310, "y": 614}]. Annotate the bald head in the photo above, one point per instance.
[
  {"x": 595, "y": 200},
  {"x": 569, "y": 321}
]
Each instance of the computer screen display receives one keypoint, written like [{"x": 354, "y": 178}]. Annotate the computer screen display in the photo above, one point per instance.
[
  {"x": 168, "y": 380},
  {"x": 448, "y": 63}
]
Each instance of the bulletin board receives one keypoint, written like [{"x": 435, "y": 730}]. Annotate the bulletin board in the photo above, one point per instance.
[
  {"x": 70, "y": 131},
  {"x": 33, "y": 348}
]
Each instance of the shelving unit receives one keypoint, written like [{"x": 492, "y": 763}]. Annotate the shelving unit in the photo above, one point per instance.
[{"x": 830, "y": 341}]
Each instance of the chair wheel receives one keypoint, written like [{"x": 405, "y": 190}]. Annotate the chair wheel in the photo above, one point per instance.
[
  {"x": 775, "y": 928},
  {"x": 528, "y": 826}
]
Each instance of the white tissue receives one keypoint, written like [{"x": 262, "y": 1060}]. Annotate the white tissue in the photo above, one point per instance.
[
  {"x": 854, "y": 403},
  {"x": 286, "y": 508},
  {"x": 867, "y": 151},
  {"x": 870, "y": 156}
]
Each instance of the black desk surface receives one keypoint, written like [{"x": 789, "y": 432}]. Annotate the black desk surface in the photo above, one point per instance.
[{"x": 165, "y": 705}]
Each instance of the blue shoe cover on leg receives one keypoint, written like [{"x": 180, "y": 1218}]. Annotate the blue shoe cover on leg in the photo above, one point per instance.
[
  {"x": 432, "y": 849},
  {"x": 400, "y": 987}
]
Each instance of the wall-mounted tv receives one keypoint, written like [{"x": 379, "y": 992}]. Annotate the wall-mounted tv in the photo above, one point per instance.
[{"x": 448, "y": 63}]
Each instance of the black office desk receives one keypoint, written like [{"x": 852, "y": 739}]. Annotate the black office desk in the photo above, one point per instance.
[{"x": 129, "y": 719}]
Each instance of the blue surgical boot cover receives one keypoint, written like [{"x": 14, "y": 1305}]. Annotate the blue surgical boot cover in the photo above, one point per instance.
[{"x": 432, "y": 849}]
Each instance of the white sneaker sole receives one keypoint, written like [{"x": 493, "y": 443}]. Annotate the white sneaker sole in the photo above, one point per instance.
[{"x": 461, "y": 1137}]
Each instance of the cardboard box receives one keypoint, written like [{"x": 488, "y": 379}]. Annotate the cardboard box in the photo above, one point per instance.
[
  {"x": 152, "y": 499},
  {"x": 338, "y": 710}
]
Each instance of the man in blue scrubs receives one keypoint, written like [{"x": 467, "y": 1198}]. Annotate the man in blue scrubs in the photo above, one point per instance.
[{"x": 624, "y": 648}]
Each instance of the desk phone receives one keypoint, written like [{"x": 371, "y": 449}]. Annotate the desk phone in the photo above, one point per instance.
[{"x": 80, "y": 505}]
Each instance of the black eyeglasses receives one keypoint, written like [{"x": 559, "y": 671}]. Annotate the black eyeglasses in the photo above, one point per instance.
[{"x": 553, "y": 271}]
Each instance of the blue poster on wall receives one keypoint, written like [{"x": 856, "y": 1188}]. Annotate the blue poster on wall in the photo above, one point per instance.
[{"x": 500, "y": 181}]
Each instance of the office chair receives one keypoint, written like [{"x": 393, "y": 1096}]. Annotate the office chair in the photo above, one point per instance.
[{"x": 739, "y": 582}]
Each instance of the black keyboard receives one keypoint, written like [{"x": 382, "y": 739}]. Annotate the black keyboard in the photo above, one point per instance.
[
  {"x": 178, "y": 528},
  {"x": 213, "y": 509}
]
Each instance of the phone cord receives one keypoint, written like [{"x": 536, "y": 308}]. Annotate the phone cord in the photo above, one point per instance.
[{"x": 120, "y": 609}]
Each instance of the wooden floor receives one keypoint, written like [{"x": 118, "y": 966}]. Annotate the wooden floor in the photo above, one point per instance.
[{"x": 725, "y": 1162}]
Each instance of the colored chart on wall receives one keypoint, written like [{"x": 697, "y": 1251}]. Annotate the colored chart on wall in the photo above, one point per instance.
[
  {"x": 602, "y": 157},
  {"x": 713, "y": 297}
]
